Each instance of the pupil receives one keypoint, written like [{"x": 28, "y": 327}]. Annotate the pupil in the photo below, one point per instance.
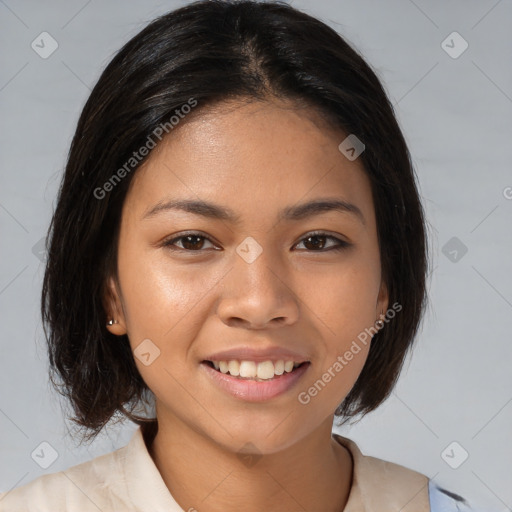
[
  {"x": 191, "y": 237},
  {"x": 317, "y": 238}
]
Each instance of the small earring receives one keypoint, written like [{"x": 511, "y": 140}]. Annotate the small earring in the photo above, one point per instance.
[
  {"x": 112, "y": 322},
  {"x": 380, "y": 323}
]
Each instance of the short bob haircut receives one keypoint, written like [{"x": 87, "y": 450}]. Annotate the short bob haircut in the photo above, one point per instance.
[{"x": 214, "y": 51}]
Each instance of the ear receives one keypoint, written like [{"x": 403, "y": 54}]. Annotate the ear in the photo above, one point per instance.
[
  {"x": 114, "y": 309},
  {"x": 382, "y": 300}
]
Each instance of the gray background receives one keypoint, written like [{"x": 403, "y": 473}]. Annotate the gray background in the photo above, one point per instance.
[{"x": 455, "y": 113}]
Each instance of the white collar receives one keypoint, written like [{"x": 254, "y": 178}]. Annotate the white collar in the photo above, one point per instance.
[
  {"x": 376, "y": 485},
  {"x": 381, "y": 485}
]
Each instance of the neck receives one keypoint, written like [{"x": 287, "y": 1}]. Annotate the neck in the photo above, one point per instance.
[{"x": 313, "y": 474}]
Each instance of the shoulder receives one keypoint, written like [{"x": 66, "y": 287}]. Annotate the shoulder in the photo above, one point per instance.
[
  {"x": 89, "y": 486},
  {"x": 442, "y": 500},
  {"x": 379, "y": 484}
]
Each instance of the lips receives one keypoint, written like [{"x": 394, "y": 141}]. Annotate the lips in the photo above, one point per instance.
[
  {"x": 273, "y": 354},
  {"x": 252, "y": 390},
  {"x": 255, "y": 374}
]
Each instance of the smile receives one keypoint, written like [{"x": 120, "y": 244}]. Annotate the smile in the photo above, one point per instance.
[
  {"x": 263, "y": 370},
  {"x": 246, "y": 383}
]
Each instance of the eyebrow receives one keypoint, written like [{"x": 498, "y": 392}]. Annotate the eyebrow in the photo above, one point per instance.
[{"x": 292, "y": 213}]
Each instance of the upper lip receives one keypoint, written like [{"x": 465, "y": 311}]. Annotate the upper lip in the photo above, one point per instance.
[{"x": 252, "y": 354}]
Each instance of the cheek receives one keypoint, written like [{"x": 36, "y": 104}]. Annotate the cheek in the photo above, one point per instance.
[
  {"x": 159, "y": 294},
  {"x": 344, "y": 299},
  {"x": 333, "y": 380},
  {"x": 167, "y": 304}
]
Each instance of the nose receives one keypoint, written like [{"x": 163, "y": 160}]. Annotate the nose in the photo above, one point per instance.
[{"x": 258, "y": 295}]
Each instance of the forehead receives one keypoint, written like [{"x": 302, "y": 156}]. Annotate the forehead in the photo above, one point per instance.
[{"x": 254, "y": 157}]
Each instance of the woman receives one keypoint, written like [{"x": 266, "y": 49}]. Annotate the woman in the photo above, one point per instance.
[{"x": 239, "y": 236}]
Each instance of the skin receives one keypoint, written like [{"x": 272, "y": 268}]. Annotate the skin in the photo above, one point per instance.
[{"x": 255, "y": 158}]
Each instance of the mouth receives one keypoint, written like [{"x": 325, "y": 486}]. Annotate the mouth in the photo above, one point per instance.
[
  {"x": 253, "y": 381},
  {"x": 262, "y": 371}
]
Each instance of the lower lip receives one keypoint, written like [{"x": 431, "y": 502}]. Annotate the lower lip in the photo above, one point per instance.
[{"x": 252, "y": 390}]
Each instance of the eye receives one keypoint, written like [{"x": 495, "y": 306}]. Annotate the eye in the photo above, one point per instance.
[
  {"x": 314, "y": 242},
  {"x": 317, "y": 241},
  {"x": 189, "y": 241}
]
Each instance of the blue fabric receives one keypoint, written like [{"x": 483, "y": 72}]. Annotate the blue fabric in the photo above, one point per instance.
[{"x": 442, "y": 500}]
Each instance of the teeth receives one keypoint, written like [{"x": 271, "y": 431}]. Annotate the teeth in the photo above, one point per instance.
[
  {"x": 264, "y": 370},
  {"x": 234, "y": 368},
  {"x": 247, "y": 368},
  {"x": 279, "y": 367}
]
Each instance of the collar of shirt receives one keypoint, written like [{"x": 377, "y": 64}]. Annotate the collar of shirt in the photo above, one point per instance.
[
  {"x": 128, "y": 479},
  {"x": 376, "y": 484},
  {"x": 381, "y": 485}
]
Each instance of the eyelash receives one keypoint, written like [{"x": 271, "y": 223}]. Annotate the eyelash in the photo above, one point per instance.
[{"x": 341, "y": 243}]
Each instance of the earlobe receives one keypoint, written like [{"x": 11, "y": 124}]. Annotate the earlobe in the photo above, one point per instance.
[
  {"x": 113, "y": 307},
  {"x": 382, "y": 300}
]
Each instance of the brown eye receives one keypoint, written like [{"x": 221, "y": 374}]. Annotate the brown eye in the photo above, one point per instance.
[
  {"x": 316, "y": 242},
  {"x": 189, "y": 242}
]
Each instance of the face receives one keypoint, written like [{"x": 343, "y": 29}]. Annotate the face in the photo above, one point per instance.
[{"x": 256, "y": 274}]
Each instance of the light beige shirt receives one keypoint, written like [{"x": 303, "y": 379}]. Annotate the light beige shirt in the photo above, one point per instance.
[{"x": 128, "y": 480}]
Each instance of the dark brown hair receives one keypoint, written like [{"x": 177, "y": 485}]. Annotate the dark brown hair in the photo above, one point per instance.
[{"x": 213, "y": 51}]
